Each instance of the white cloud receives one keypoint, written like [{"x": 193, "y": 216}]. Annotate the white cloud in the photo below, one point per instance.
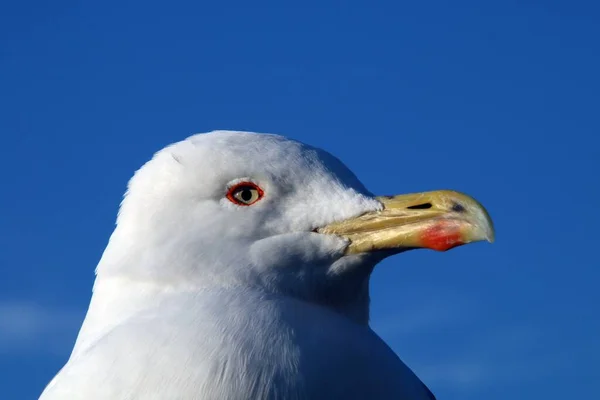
[
  {"x": 455, "y": 345},
  {"x": 473, "y": 372},
  {"x": 418, "y": 313},
  {"x": 26, "y": 326},
  {"x": 462, "y": 375},
  {"x": 425, "y": 316}
]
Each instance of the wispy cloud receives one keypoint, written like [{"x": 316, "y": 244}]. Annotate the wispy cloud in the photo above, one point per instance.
[
  {"x": 26, "y": 326},
  {"x": 454, "y": 345},
  {"x": 471, "y": 372},
  {"x": 457, "y": 374},
  {"x": 419, "y": 314}
]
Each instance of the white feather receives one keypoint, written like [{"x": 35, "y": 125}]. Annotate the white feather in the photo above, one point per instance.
[{"x": 197, "y": 298}]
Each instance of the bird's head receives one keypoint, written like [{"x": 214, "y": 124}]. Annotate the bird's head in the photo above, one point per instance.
[{"x": 228, "y": 209}]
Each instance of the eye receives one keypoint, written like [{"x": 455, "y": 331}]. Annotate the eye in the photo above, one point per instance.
[{"x": 245, "y": 193}]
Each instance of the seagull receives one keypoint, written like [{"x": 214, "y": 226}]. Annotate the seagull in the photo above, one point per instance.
[{"x": 239, "y": 269}]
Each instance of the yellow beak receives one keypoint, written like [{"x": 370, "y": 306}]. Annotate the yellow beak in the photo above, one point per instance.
[{"x": 437, "y": 220}]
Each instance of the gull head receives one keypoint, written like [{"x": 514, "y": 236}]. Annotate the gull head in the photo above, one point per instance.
[{"x": 262, "y": 212}]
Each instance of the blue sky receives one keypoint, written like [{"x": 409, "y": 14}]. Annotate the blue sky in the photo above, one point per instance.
[{"x": 497, "y": 100}]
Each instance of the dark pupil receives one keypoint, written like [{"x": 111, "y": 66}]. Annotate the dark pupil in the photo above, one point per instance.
[{"x": 246, "y": 194}]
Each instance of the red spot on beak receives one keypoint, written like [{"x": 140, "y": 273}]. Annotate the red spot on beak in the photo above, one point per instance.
[{"x": 442, "y": 236}]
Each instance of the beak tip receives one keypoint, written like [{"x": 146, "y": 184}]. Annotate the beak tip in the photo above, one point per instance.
[
  {"x": 485, "y": 223},
  {"x": 491, "y": 232},
  {"x": 489, "y": 235}
]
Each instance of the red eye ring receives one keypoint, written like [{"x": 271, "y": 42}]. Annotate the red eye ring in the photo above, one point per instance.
[{"x": 245, "y": 193}]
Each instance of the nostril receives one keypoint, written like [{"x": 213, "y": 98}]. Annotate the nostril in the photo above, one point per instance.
[
  {"x": 423, "y": 206},
  {"x": 457, "y": 207}
]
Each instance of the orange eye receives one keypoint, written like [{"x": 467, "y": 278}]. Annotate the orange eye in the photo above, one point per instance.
[{"x": 245, "y": 193}]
